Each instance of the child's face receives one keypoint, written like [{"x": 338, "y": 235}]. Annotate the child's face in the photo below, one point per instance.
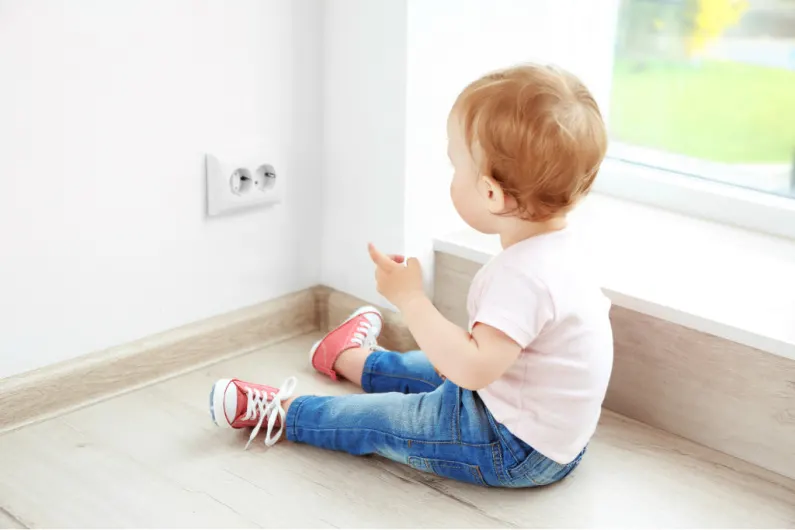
[{"x": 469, "y": 190}]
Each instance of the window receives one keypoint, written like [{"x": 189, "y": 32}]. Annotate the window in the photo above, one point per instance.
[{"x": 706, "y": 89}]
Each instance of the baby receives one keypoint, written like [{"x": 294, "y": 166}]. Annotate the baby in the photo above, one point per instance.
[{"x": 523, "y": 386}]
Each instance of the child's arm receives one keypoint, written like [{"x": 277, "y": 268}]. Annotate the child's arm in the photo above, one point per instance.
[{"x": 470, "y": 361}]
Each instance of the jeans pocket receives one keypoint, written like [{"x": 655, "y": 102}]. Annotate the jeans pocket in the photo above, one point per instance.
[
  {"x": 537, "y": 470},
  {"x": 447, "y": 469}
]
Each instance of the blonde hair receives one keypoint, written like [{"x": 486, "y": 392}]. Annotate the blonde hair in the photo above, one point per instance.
[{"x": 538, "y": 132}]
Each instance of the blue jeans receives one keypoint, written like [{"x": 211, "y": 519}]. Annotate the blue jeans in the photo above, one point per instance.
[{"x": 412, "y": 416}]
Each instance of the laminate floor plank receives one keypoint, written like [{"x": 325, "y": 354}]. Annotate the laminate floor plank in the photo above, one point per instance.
[{"x": 153, "y": 458}]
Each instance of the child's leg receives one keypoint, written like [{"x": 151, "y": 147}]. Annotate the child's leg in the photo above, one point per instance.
[
  {"x": 385, "y": 371},
  {"x": 407, "y": 373},
  {"x": 447, "y": 432},
  {"x": 347, "y": 351}
]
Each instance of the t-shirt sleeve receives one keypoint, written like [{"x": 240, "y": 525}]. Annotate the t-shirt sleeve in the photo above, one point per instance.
[{"x": 515, "y": 303}]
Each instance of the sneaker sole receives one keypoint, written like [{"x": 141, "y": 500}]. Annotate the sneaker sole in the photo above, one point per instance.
[
  {"x": 217, "y": 409},
  {"x": 360, "y": 311}
]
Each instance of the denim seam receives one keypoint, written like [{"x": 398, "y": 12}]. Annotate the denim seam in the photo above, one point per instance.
[
  {"x": 458, "y": 416},
  {"x": 502, "y": 473},
  {"x": 508, "y": 472},
  {"x": 371, "y": 373},
  {"x": 368, "y": 370},
  {"x": 473, "y": 469},
  {"x": 508, "y": 445},
  {"x": 524, "y": 469},
  {"x": 412, "y": 440},
  {"x": 367, "y": 384},
  {"x": 496, "y": 460},
  {"x": 496, "y": 425},
  {"x": 294, "y": 426},
  {"x": 478, "y": 475},
  {"x": 427, "y": 463},
  {"x": 452, "y": 420}
]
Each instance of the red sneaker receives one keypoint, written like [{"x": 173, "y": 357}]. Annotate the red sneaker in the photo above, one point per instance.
[
  {"x": 360, "y": 330},
  {"x": 237, "y": 404}
]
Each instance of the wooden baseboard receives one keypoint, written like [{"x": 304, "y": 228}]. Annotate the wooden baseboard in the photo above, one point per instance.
[
  {"x": 721, "y": 394},
  {"x": 718, "y": 393},
  {"x": 55, "y": 389}
]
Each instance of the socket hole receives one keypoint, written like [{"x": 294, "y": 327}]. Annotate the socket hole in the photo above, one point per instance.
[
  {"x": 241, "y": 182},
  {"x": 265, "y": 177}
]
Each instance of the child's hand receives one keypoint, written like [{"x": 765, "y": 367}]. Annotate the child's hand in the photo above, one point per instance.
[{"x": 397, "y": 279}]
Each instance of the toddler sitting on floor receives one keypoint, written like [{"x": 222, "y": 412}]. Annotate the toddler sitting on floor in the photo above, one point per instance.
[{"x": 524, "y": 385}]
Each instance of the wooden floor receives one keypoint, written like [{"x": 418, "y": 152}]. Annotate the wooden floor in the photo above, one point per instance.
[{"x": 152, "y": 458}]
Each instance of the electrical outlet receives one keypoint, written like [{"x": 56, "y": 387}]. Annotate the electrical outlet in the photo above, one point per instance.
[{"x": 239, "y": 183}]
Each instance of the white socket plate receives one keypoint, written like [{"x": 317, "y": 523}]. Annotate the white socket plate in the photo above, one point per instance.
[{"x": 221, "y": 199}]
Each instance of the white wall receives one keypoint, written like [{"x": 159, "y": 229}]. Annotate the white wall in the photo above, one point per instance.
[
  {"x": 393, "y": 70},
  {"x": 105, "y": 110},
  {"x": 364, "y": 105}
]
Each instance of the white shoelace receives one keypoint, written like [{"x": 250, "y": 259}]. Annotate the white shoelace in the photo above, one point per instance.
[
  {"x": 268, "y": 405},
  {"x": 365, "y": 336}
]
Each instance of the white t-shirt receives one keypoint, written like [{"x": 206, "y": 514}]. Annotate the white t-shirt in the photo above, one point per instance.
[{"x": 541, "y": 293}]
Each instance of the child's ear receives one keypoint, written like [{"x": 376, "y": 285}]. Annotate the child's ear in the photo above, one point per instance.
[{"x": 493, "y": 194}]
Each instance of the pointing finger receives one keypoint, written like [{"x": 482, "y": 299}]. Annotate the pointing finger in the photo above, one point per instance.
[{"x": 379, "y": 258}]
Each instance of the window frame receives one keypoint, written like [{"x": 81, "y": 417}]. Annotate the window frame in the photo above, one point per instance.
[
  {"x": 696, "y": 196},
  {"x": 663, "y": 181}
]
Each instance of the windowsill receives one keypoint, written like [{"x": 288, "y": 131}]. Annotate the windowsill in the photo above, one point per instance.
[
  {"x": 729, "y": 282},
  {"x": 767, "y": 178}
]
